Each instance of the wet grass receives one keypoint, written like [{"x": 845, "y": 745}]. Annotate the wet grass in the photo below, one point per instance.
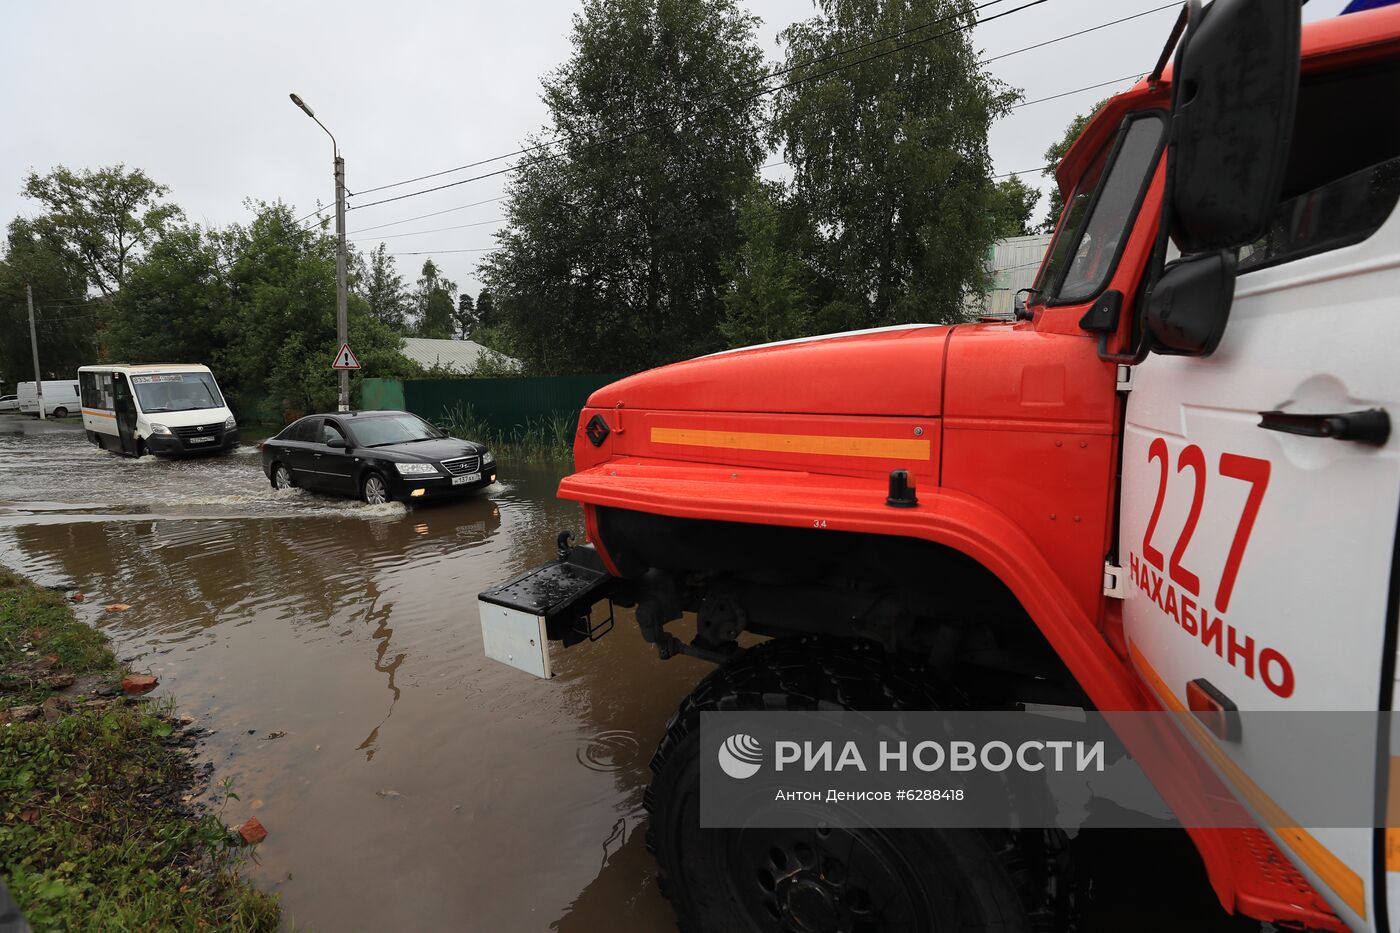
[
  {"x": 97, "y": 831},
  {"x": 539, "y": 440},
  {"x": 37, "y": 634},
  {"x": 251, "y": 432}
]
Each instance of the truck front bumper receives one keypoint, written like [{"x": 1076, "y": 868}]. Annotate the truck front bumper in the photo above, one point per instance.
[{"x": 552, "y": 602}]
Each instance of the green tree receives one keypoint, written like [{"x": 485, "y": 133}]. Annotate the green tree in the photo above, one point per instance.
[
  {"x": 765, "y": 300},
  {"x": 65, "y": 323},
  {"x": 617, "y": 240},
  {"x": 279, "y": 336},
  {"x": 101, "y": 220},
  {"x": 1053, "y": 154},
  {"x": 890, "y": 159},
  {"x": 173, "y": 304},
  {"x": 378, "y": 282},
  {"x": 433, "y": 303},
  {"x": 465, "y": 318},
  {"x": 486, "y": 316},
  {"x": 1012, "y": 208}
]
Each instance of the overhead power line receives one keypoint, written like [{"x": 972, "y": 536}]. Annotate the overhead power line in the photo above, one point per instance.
[
  {"x": 480, "y": 223},
  {"x": 790, "y": 84},
  {"x": 437, "y": 252},
  {"x": 1003, "y": 55},
  {"x": 1078, "y": 90},
  {"x": 1073, "y": 35},
  {"x": 769, "y": 76},
  {"x": 1024, "y": 171},
  {"x": 460, "y": 207}
]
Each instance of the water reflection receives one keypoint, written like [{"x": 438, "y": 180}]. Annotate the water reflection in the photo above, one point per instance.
[{"x": 416, "y": 784}]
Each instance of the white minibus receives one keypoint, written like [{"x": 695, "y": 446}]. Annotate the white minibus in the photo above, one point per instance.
[{"x": 158, "y": 408}]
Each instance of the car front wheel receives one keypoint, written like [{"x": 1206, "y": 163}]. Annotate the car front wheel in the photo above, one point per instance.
[
  {"x": 373, "y": 490},
  {"x": 282, "y": 478}
]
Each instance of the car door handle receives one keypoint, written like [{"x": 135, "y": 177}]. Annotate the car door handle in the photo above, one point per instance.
[{"x": 1371, "y": 426}]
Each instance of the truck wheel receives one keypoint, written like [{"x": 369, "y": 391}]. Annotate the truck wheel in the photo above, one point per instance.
[
  {"x": 60, "y": 412},
  {"x": 755, "y": 879}
]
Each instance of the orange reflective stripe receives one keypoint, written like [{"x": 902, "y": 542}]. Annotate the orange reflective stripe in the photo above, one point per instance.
[
  {"x": 98, "y": 414},
  {"x": 888, "y": 448},
  {"x": 1335, "y": 873}
]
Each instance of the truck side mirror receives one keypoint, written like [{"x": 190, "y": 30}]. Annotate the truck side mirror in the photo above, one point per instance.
[
  {"x": 1234, "y": 96},
  {"x": 1190, "y": 303},
  {"x": 1019, "y": 310},
  {"x": 1235, "y": 91}
]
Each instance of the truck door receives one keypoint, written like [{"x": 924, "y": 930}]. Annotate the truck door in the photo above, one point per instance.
[{"x": 1261, "y": 483}]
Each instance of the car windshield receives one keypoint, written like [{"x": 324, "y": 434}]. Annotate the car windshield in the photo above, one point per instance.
[
  {"x": 176, "y": 392},
  {"x": 383, "y": 430}
]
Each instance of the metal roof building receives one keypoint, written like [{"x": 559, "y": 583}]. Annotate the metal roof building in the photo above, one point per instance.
[
  {"x": 1013, "y": 263},
  {"x": 459, "y": 355}
]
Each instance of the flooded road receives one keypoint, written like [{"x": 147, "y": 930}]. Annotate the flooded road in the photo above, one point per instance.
[
  {"x": 417, "y": 785},
  {"x": 417, "y": 782}
]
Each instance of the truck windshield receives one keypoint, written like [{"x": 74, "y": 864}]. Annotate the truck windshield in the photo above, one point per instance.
[
  {"x": 176, "y": 392},
  {"x": 1099, "y": 214}
]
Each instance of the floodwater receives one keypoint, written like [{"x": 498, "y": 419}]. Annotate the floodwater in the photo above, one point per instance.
[{"x": 417, "y": 785}]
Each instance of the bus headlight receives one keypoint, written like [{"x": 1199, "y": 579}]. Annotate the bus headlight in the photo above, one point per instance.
[
  {"x": 160, "y": 429},
  {"x": 416, "y": 469},
  {"x": 230, "y": 424}
]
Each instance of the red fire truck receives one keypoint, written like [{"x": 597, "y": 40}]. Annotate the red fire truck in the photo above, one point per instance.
[{"x": 1170, "y": 484}]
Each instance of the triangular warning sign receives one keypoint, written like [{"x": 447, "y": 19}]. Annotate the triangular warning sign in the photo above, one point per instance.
[{"x": 345, "y": 359}]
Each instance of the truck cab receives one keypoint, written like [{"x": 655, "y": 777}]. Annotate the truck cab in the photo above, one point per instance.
[{"x": 1170, "y": 484}]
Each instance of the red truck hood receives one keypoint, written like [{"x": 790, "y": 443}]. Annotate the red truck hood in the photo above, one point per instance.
[{"x": 889, "y": 371}]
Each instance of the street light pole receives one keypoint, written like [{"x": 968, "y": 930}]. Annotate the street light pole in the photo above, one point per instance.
[
  {"x": 34, "y": 345},
  {"x": 342, "y": 322}
]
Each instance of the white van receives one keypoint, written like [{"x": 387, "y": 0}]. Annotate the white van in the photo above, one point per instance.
[
  {"x": 60, "y": 398},
  {"x": 158, "y": 408}
]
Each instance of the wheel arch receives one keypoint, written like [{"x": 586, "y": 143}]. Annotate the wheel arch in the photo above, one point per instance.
[{"x": 960, "y": 523}]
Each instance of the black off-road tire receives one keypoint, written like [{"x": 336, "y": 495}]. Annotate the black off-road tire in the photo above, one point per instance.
[{"x": 967, "y": 881}]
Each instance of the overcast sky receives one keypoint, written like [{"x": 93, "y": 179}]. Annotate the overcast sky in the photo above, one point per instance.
[{"x": 196, "y": 94}]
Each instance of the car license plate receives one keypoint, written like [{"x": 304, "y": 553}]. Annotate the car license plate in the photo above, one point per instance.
[
  {"x": 463, "y": 480},
  {"x": 207, "y": 439}
]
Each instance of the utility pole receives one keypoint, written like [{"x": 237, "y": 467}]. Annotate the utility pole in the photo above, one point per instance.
[
  {"x": 342, "y": 322},
  {"x": 34, "y": 345}
]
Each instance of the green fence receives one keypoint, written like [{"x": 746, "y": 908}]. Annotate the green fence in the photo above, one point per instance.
[
  {"x": 503, "y": 403},
  {"x": 381, "y": 394}
]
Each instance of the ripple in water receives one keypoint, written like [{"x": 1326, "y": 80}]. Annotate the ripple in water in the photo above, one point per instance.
[{"x": 609, "y": 751}]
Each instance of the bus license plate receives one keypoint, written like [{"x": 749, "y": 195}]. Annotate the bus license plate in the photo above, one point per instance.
[
  {"x": 208, "y": 439},
  {"x": 463, "y": 480}
]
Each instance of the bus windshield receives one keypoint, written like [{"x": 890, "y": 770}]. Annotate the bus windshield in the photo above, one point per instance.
[{"x": 176, "y": 392}]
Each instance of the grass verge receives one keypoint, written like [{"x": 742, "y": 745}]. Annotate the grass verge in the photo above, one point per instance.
[
  {"x": 539, "y": 440},
  {"x": 98, "y": 830}
]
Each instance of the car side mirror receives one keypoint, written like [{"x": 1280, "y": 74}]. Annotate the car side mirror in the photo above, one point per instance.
[
  {"x": 336, "y": 442},
  {"x": 1189, "y": 304}
]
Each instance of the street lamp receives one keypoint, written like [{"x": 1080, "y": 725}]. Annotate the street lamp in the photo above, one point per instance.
[{"x": 341, "y": 316}]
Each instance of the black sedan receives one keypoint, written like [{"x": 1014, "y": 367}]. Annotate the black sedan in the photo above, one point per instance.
[{"x": 376, "y": 456}]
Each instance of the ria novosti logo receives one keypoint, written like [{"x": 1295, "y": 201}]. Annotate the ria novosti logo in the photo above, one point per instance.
[{"x": 740, "y": 756}]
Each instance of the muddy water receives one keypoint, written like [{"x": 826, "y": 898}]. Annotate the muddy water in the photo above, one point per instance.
[{"x": 417, "y": 786}]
